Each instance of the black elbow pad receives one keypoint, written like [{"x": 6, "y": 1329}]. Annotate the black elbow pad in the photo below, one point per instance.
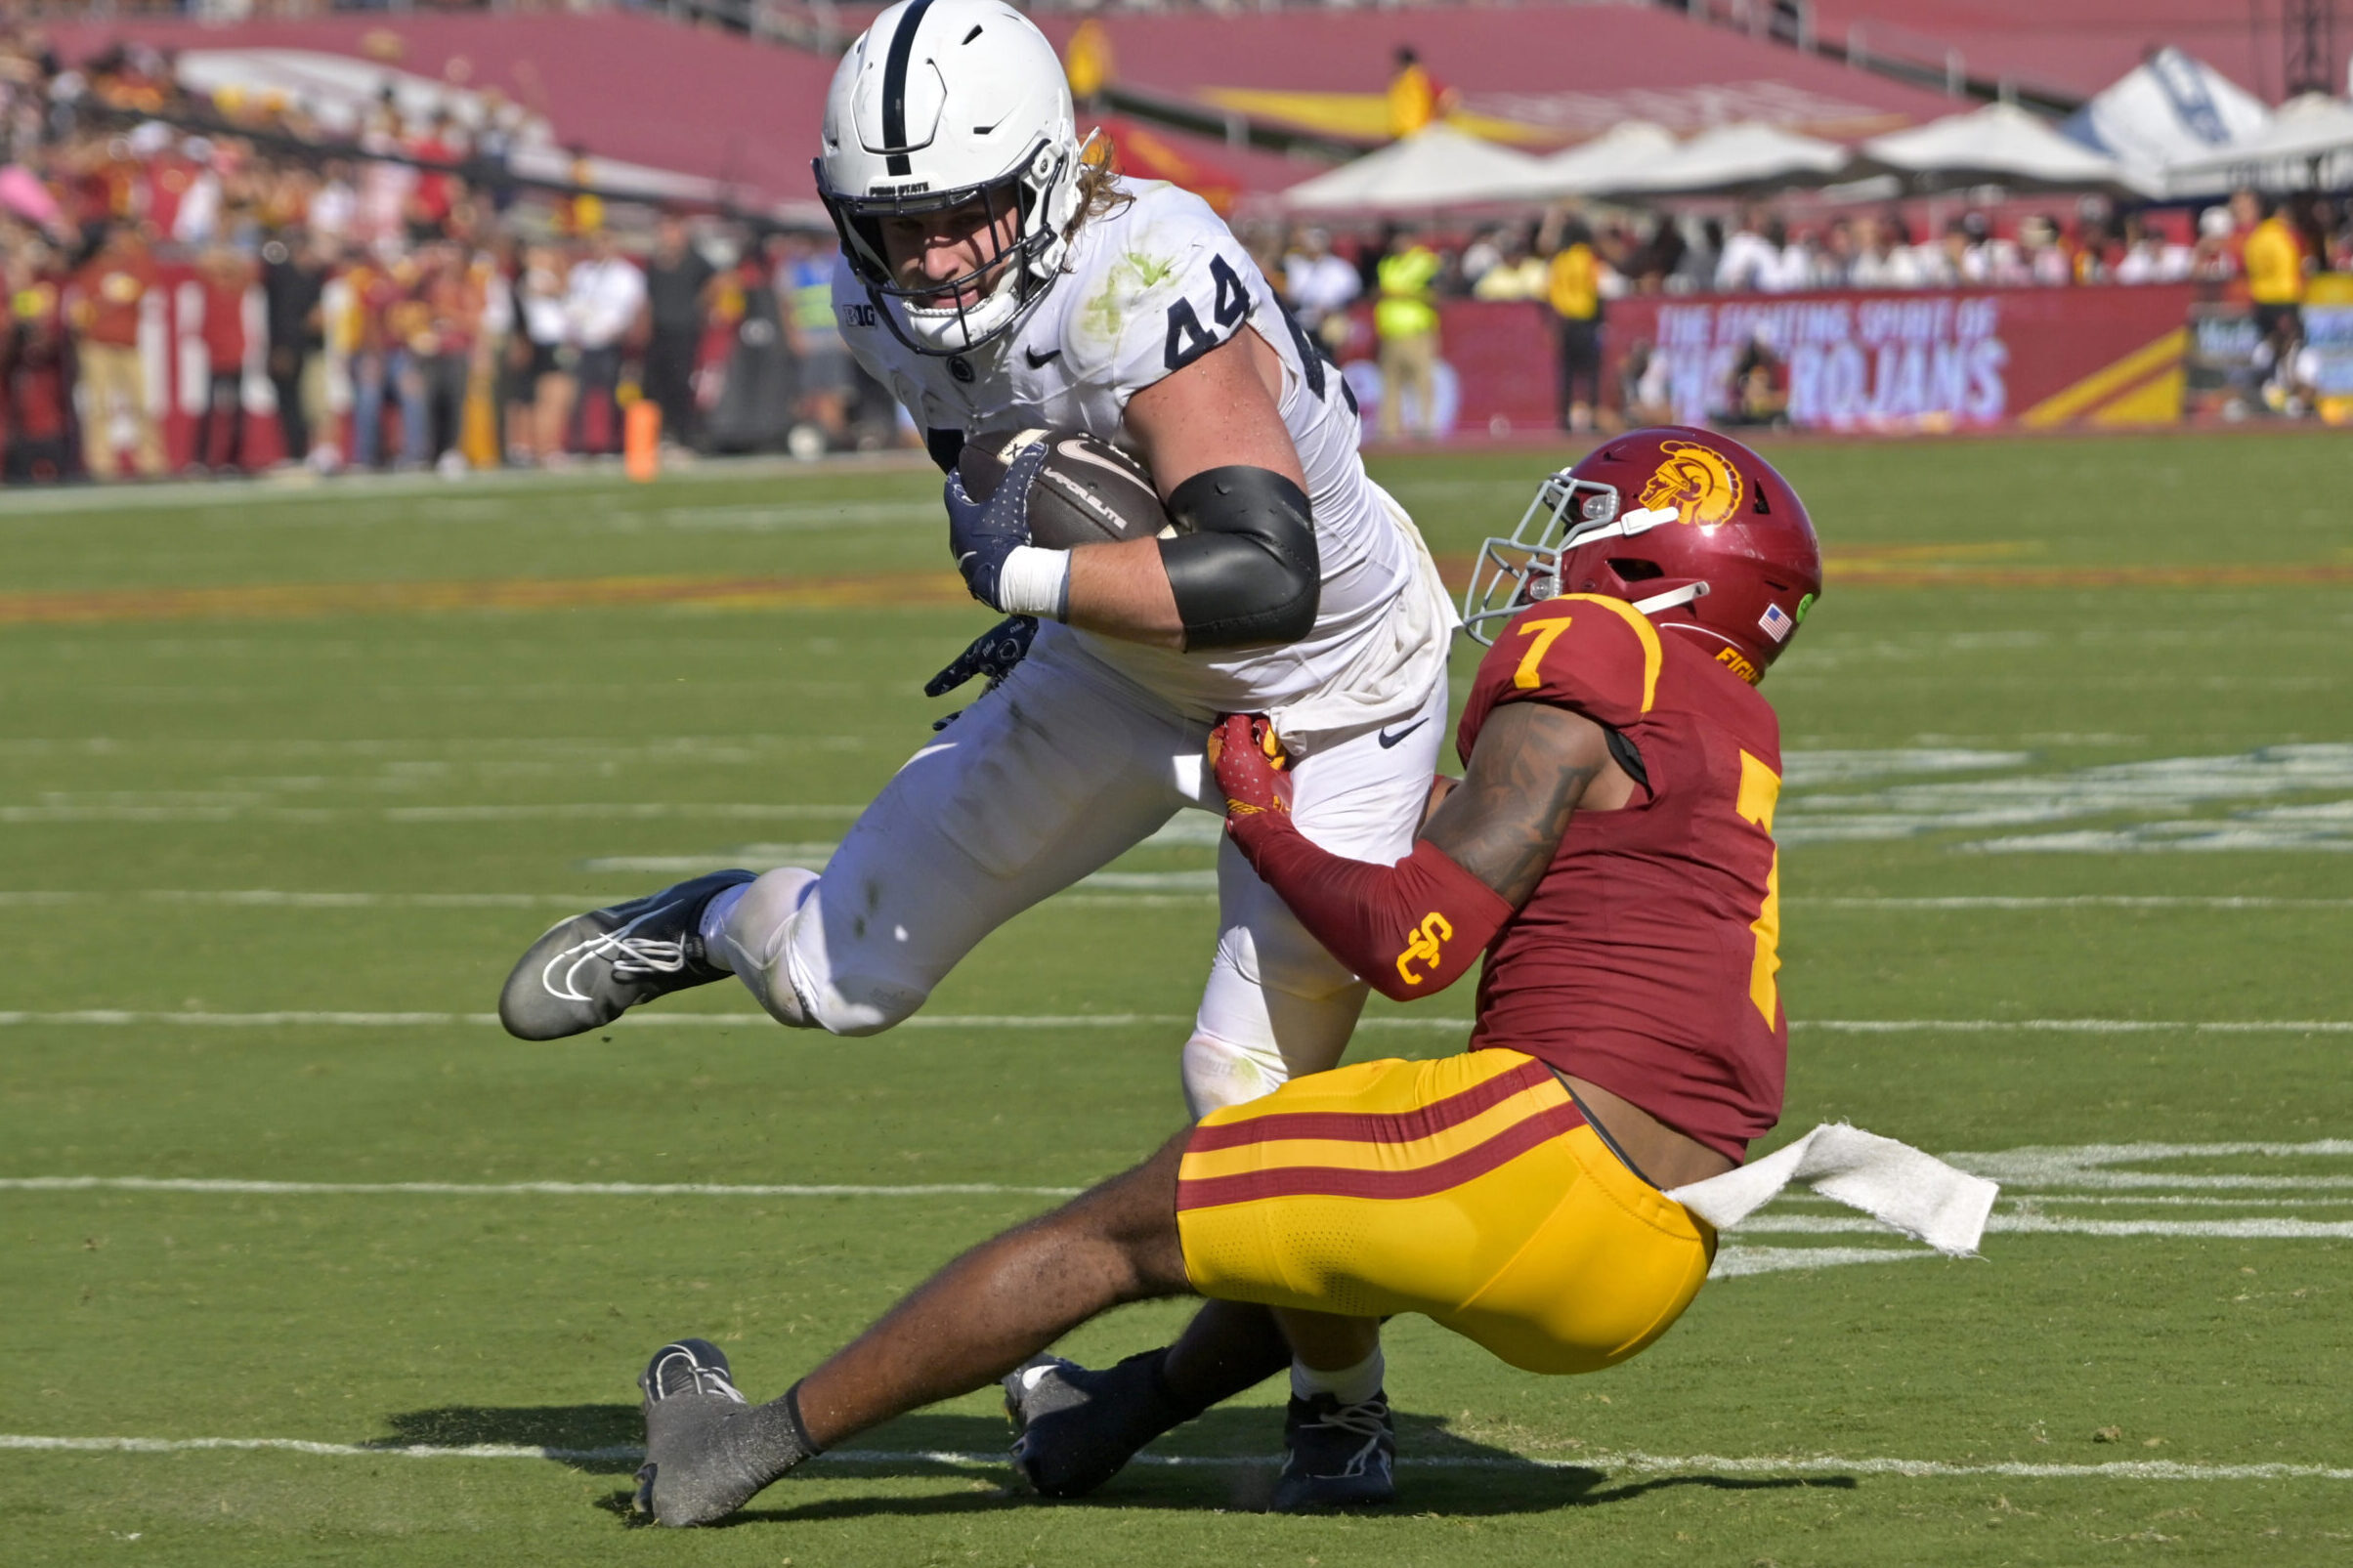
[{"x": 1246, "y": 569}]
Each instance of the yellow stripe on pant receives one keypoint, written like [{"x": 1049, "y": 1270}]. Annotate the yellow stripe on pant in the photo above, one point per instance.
[{"x": 1468, "y": 1188}]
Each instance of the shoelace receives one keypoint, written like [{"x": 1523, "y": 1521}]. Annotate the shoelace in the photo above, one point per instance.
[
  {"x": 635, "y": 958},
  {"x": 631, "y": 957},
  {"x": 1368, "y": 1420},
  {"x": 701, "y": 1379}
]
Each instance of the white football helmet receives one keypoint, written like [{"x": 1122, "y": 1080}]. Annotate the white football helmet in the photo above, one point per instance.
[{"x": 938, "y": 104}]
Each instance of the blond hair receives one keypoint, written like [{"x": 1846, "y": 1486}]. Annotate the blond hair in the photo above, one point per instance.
[{"x": 1100, "y": 193}]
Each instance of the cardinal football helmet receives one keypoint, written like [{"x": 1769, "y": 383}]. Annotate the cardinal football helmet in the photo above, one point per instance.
[
  {"x": 939, "y": 103},
  {"x": 1694, "y": 531}
]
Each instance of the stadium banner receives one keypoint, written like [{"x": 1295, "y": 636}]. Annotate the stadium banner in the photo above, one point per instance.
[
  {"x": 1846, "y": 360},
  {"x": 2327, "y": 321}
]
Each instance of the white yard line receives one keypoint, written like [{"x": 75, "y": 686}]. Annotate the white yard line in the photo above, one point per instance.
[
  {"x": 288, "y": 898},
  {"x": 1124, "y": 889},
  {"x": 2031, "y": 1202},
  {"x": 1733, "y": 1263},
  {"x": 2014, "y": 1222},
  {"x": 1633, "y": 1460},
  {"x": 2076, "y": 1025},
  {"x": 2094, "y": 1166},
  {"x": 2079, "y": 901},
  {"x": 2022, "y": 1212},
  {"x": 469, "y": 751},
  {"x": 1199, "y": 883},
  {"x": 106, "y": 1017},
  {"x": 505, "y": 488},
  {"x": 546, "y": 811},
  {"x": 112, "y": 1017},
  {"x": 541, "y": 1189},
  {"x": 2039, "y": 1224}
]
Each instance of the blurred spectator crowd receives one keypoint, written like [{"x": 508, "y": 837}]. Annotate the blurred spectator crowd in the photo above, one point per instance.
[
  {"x": 215, "y": 284},
  {"x": 394, "y": 300},
  {"x": 2252, "y": 250}
]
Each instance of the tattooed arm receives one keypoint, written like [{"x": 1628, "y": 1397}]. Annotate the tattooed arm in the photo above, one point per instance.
[
  {"x": 1533, "y": 766},
  {"x": 1413, "y": 928}
]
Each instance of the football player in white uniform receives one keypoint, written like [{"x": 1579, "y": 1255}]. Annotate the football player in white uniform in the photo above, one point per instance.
[{"x": 995, "y": 275}]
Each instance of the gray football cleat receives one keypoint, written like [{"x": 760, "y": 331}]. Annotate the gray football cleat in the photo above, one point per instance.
[
  {"x": 1337, "y": 1455},
  {"x": 1075, "y": 1428},
  {"x": 699, "y": 1438},
  {"x": 590, "y": 969}
]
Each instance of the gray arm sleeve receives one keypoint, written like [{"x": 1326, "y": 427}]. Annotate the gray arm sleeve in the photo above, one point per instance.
[{"x": 1245, "y": 569}]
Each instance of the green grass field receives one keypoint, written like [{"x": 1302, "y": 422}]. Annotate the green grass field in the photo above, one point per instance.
[{"x": 291, "y": 777}]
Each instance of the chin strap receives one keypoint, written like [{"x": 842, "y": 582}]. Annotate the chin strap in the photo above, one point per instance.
[
  {"x": 1672, "y": 599},
  {"x": 1639, "y": 521}
]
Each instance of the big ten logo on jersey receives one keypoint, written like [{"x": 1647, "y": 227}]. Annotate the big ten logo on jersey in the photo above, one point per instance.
[
  {"x": 1425, "y": 945},
  {"x": 1697, "y": 481},
  {"x": 855, "y": 313},
  {"x": 1188, "y": 340}
]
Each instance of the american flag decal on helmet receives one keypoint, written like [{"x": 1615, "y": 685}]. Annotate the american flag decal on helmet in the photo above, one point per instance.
[{"x": 1776, "y": 623}]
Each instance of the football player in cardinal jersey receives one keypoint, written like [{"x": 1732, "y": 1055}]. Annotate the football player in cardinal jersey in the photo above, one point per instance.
[
  {"x": 995, "y": 275},
  {"x": 1610, "y": 850}
]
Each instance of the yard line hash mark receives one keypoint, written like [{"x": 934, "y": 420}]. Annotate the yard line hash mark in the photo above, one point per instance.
[{"x": 1631, "y": 1460}]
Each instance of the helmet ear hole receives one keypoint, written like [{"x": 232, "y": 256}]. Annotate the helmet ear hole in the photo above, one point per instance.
[{"x": 1636, "y": 571}]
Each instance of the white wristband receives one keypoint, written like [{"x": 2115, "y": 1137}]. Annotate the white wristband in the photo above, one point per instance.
[{"x": 1035, "y": 581}]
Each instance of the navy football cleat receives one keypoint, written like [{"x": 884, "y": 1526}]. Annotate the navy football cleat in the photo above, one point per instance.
[
  {"x": 1337, "y": 1455},
  {"x": 1074, "y": 1430},
  {"x": 590, "y": 969}
]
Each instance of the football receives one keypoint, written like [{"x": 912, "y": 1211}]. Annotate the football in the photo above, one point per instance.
[{"x": 1089, "y": 493}]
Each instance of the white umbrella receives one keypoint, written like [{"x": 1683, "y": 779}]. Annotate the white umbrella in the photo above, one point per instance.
[
  {"x": 1625, "y": 150},
  {"x": 2312, "y": 126},
  {"x": 2166, "y": 110},
  {"x": 1436, "y": 167},
  {"x": 1999, "y": 144},
  {"x": 1732, "y": 159}
]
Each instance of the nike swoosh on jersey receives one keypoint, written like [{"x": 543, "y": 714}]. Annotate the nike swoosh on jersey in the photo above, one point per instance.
[
  {"x": 1039, "y": 362},
  {"x": 1387, "y": 740}
]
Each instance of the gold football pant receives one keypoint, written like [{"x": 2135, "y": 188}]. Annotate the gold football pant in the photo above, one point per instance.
[{"x": 1469, "y": 1190}]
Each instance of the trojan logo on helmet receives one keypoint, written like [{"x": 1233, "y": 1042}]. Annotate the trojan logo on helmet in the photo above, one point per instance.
[
  {"x": 1739, "y": 584},
  {"x": 1698, "y": 481}
]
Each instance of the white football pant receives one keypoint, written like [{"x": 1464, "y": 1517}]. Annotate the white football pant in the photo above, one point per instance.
[{"x": 1048, "y": 778}]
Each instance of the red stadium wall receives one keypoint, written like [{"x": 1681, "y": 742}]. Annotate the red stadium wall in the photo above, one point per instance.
[{"x": 1943, "y": 360}]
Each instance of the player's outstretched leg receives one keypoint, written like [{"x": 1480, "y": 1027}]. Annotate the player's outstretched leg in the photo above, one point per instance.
[
  {"x": 990, "y": 1310},
  {"x": 707, "y": 1450},
  {"x": 590, "y": 969}
]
